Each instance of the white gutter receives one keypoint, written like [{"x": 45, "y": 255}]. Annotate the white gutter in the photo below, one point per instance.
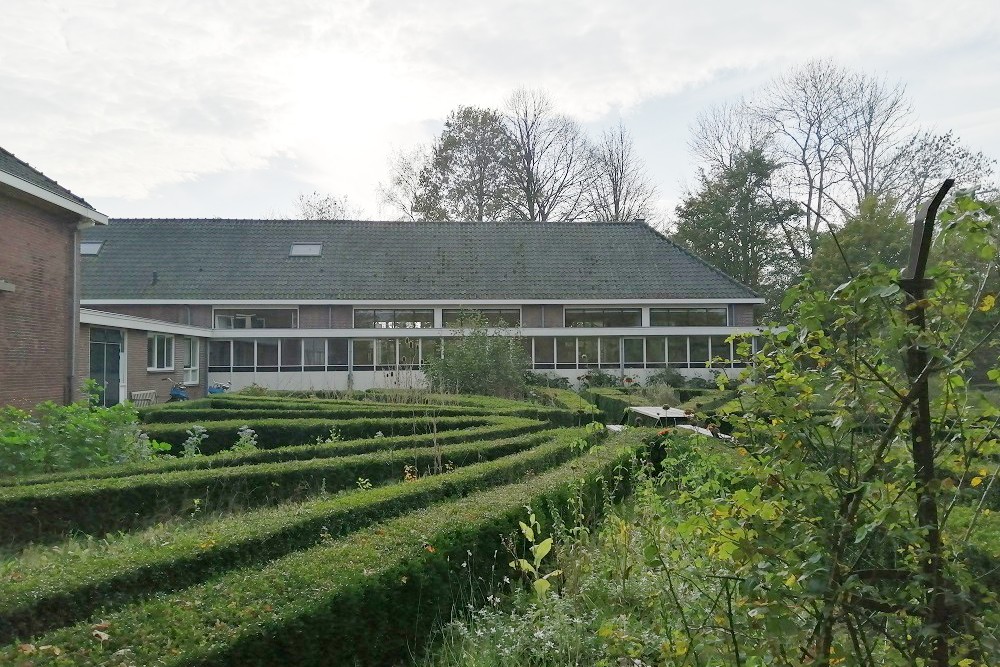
[{"x": 52, "y": 198}]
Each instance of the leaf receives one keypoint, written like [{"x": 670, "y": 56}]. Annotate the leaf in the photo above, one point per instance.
[
  {"x": 526, "y": 566},
  {"x": 541, "y": 549},
  {"x": 976, "y": 481},
  {"x": 541, "y": 587},
  {"x": 529, "y": 534},
  {"x": 987, "y": 304}
]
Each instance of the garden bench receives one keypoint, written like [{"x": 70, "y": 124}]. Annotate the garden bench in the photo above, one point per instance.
[{"x": 143, "y": 398}]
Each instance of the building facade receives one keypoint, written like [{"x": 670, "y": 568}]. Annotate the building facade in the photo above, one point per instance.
[
  {"x": 40, "y": 223},
  {"x": 343, "y": 304}
]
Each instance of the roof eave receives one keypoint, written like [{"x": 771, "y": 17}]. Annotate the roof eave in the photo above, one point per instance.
[{"x": 89, "y": 215}]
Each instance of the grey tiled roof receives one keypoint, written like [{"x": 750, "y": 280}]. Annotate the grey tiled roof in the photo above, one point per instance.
[
  {"x": 16, "y": 167},
  {"x": 249, "y": 259}
]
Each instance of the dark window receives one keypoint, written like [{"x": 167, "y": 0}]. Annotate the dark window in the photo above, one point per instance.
[
  {"x": 364, "y": 355},
  {"x": 314, "y": 354},
  {"x": 430, "y": 348},
  {"x": 656, "y": 352},
  {"x": 677, "y": 353},
  {"x": 721, "y": 349},
  {"x": 603, "y": 317},
  {"x": 565, "y": 352},
  {"x": 386, "y": 353},
  {"x": 634, "y": 349},
  {"x": 611, "y": 355},
  {"x": 409, "y": 352},
  {"x": 336, "y": 354},
  {"x": 545, "y": 352},
  {"x": 220, "y": 356},
  {"x": 688, "y": 317},
  {"x": 586, "y": 352},
  {"x": 388, "y": 318},
  {"x": 267, "y": 355},
  {"x": 243, "y": 356},
  {"x": 291, "y": 354},
  {"x": 233, "y": 318},
  {"x": 699, "y": 350}
]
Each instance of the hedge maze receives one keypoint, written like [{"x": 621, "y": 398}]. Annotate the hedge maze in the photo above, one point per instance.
[{"x": 309, "y": 550}]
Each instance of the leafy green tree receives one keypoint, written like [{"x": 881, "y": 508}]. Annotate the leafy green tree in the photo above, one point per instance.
[
  {"x": 466, "y": 176},
  {"x": 877, "y": 234},
  {"x": 734, "y": 222},
  {"x": 474, "y": 361}
]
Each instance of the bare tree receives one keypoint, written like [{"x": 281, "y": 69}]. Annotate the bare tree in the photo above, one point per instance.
[
  {"x": 727, "y": 130},
  {"x": 619, "y": 188},
  {"x": 324, "y": 206},
  {"x": 549, "y": 166},
  {"x": 401, "y": 195}
]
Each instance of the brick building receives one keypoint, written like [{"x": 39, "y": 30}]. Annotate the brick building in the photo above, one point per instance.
[{"x": 40, "y": 223}]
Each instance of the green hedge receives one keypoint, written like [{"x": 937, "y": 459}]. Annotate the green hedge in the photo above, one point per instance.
[
  {"x": 364, "y": 599},
  {"x": 584, "y": 411},
  {"x": 281, "y": 432},
  {"x": 611, "y": 402},
  {"x": 46, "y": 512},
  {"x": 200, "y": 415},
  {"x": 65, "y": 589},
  {"x": 497, "y": 427}
]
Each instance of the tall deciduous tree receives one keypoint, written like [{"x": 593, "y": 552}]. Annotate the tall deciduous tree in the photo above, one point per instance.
[
  {"x": 734, "y": 223},
  {"x": 619, "y": 188},
  {"x": 402, "y": 196},
  {"x": 466, "y": 177},
  {"x": 548, "y": 167},
  {"x": 325, "y": 206}
]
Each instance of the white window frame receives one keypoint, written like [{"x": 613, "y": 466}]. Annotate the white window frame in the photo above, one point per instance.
[
  {"x": 192, "y": 363},
  {"x": 160, "y": 364}
]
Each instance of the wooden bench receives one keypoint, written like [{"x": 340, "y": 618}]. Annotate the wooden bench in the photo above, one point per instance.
[{"x": 143, "y": 398}]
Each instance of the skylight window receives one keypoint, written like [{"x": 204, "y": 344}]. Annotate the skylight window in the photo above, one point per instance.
[
  {"x": 306, "y": 250},
  {"x": 90, "y": 247}
]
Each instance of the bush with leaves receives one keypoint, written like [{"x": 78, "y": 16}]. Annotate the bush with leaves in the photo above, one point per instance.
[{"x": 478, "y": 362}]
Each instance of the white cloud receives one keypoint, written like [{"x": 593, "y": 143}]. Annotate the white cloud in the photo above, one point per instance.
[{"x": 118, "y": 99}]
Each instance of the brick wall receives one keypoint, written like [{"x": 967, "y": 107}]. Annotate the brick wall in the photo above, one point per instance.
[
  {"x": 531, "y": 316},
  {"x": 314, "y": 317},
  {"x": 37, "y": 325}
]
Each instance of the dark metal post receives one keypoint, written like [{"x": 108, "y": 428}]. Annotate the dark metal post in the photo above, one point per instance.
[{"x": 915, "y": 285}]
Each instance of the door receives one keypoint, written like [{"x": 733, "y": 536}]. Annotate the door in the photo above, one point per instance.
[{"x": 105, "y": 364}]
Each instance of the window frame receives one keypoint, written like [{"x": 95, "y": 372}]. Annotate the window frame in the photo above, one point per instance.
[
  {"x": 192, "y": 364},
  {"x": 153, "y": 339}
]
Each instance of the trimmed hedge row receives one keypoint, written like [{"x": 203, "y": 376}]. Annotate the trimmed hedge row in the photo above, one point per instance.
[
  {"x": 566, "y": 399},
  {"x": 59, "y": 592},
  {"x": 363, "y": 599},
  {"x": 199, "y": 415},
  {"x": 46, "y": 512},
  {"x": 281, "y": 432},
  {"x": 611, "y": 402},
  {"x": 496, "y": 428}
]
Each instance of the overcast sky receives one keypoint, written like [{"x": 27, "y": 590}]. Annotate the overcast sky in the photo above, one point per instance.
[{"x": 206, "y": 108}]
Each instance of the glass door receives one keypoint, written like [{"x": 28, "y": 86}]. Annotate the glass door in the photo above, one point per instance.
[{"x": 105, "y": 364}]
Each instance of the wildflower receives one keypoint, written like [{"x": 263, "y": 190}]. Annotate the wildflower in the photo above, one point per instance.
[{"x": 664, "y": 431}]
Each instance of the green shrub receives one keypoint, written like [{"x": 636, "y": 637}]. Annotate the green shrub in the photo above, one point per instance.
[
  {"x": 612, "y": 402},
  {"x": 197, "y": 415},
  {"x": 667, "y": 376},
  {"x": 550, "y": 380},
  {"x": 495, "y": 428},
  {"x": 104, "y": 505},
  {"x": 475, "y": 362},
  {"x": 59, "y": 590},
  {"x": 362, "y": 599},
  {"x": 222, "y": 435},
  {"x": 565, "y": 399}
]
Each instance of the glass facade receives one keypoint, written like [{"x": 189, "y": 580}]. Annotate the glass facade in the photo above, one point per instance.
[
  {"x": 688, "y": 317},
  {"x": 494, "y": 317},
  {"x": 394, "y": 318},
  {"x": 603, "y": 317}
]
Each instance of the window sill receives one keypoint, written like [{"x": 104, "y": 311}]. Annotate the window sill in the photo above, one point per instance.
[{"x": 159, "y": 370}]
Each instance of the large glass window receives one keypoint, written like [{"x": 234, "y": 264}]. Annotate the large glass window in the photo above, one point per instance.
[
  {"x": 430, "y": 348},
  {"x": 565, "y": 352},
  {"x": 220, "y": 356},
  {"x": 409, "y": 352},
  {"x": 336, "y": 351},
  {"x": 256, "y": 318},
  {"x": 494, "y": 317},
  {"x": 314, "y": 354},
  {"x": 363, "y": 354},
  {"x": 611, "y": 356},
  {"x": 603, "y": 317},
  {"x": 267, "y": 355},
  {"x": 721, "y": 349},
  {"x": 386, "y": 353},
  {"x": 243, "y": 359},
  {"x": 634, "y": 352},
  {"x": 656, "y": 352},
  {"x": 291, "y": 354},
  {"x": 160, "y": 352},
  {"x": 545, "y": 353},
  {"x": 677, "y": 352},
  {"x": 586, "y": 352},
  {"x": 389, "y": 318},
  {"x": 688, "y": 317},
  {"x": 698, "y": 346}
]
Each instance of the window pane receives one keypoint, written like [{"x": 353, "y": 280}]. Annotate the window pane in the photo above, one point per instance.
[
  {"x": 364, "y": 319},
  {"x": 717, "y": 317},
  {"x": 611, "y": 352},
  {"x": 364, "y": 354},
  {"x": 423, "y": 319},
  {"x": 220, "y": 354},
  {"x": 430, "y": 348},
  {"x": 337, "y": 351},
  {"x": 699, "y": 350},
  {"x": 409, "y": 352},
  {"x": 386, "y": 353},
  {"x": 314, "y": 352},
  {"x": 677, "y": 354},
  {"x": 720, "y": 348},
  {"x": 251, "y": 318},
  {"x": 151, "y": 352},
  {"x": 656, "y": 352},
  {"x": 626, "y": 317},
  {"x": 587, "y": 352},
  {"x": 385, "y": 319},
  {"x": 634, "y": 352},
  {"x": 451, "y": 318},
  {"x": 291, "y": 353},
  {"x": 565, "y": 352},
  {"x": 267, "y": 354},
  {"x": 243, "y": 355},
  {"x": 545, "y": 352}
]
